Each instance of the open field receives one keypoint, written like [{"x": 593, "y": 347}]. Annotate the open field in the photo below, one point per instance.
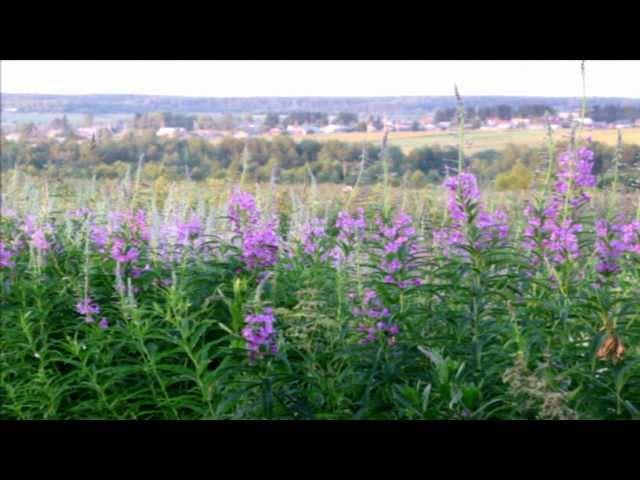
[{"x": 475, "y": 140}]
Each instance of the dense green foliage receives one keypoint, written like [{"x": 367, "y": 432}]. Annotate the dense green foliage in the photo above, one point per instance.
[
  {"x": 330, "y": 161},
  {"x": 484, "y": 336}
]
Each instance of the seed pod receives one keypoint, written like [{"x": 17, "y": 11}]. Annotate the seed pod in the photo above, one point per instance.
[{"x": 611, "y": 348}]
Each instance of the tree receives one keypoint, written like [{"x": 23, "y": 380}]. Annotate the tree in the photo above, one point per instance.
[
  {"x": 418, "y": 179},
  {"x": 505, "y": 112},
  {"x": 518, "y": 178},
  {"x": 346, "y": 118},
  {"x": 272, "y": 120}
]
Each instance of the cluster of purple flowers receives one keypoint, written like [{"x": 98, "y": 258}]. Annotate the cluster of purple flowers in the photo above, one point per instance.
[
  {"x": 123, "y": 254},
  {"x": 187, "y": 231},
  {"x": 37, "y": 233},
  {"x": 260, "y": 334},
  {"x": 552, "y": 228},
  {"x": 575, "y": 171},
  {"x": 372, "y": 308},
  {"x": 465, "y": 210},
  {"x": 88, "y": 309},
  {"x": 5, "y": 256},
  {"x": 312, "y": 233},
  {"x": 130, "y": 232},
  {"x": 259, "y": 238},
  {"x": 400, "y": 234},
  {"x": 384, "y": 329},
  {"x": 609, "y": 246},
  {"x": 242, "y": 210},
  {"x": 351, "y": 229},
  {"x": 133, "y": 224},
  {"x": 631, "y": 236}
]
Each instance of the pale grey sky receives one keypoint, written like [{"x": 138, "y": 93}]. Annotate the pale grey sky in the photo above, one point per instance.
[{"x": 217, "y": 78}]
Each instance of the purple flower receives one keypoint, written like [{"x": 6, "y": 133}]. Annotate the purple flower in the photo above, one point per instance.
[
  {"x": 260, "y": 247},
  {"x": 99, "y": 235},
  {"x": 121, "y": 255},
  {"x": 136, "y": 272},
  {"x": 260, "y": 334},
  {"x": 104, "y": 323},
  {"x": 609, "y": 246},
  {"x": 465, "y": 211},
  {"x": 351, "y": 228},
  {"x": 379, "y": 330},
  {"x": 39, "y": 240},
  {"x": 5, "y": 256},
  {"x": 552, "y": 229},
  {"x": 242, "y": 210},
  {"x": 259, "y": 238},
  {"x": 87, "y": 308},
  {"x": 312, "y": 233}
]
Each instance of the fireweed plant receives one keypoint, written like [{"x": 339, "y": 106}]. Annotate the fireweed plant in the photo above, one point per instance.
[{"x": 122, "y": 301}]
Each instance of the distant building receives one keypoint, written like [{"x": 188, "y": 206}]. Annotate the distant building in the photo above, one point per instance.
[
  {"x": 170, "y": 132},
  {"x": 520, "y": 122},
  {"x": 207, "y": 134},
  {"x": 89, "y": 132},
  {"x": 372, "y": 128},
  {"x": 623, "y": 125},
  {"x": 275, "y": 131},
  {"x": 637, "y": 123},
  {"x": 55, "y": 133},
  {"x": 444, "y": 125},
  {"x": 13, "y": 137},
  {"x": 241, "y": 134},
  {"x": 334, "y": 128},
  {"x": 403, "y": 127},
  {"x": 584, "y": 121}
]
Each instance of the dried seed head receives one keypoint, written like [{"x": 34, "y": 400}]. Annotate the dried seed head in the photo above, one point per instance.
[{"x": 611, "y": 348}]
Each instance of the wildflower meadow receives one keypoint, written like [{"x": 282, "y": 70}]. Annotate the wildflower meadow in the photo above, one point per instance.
[{"x": 124, "y": 300}]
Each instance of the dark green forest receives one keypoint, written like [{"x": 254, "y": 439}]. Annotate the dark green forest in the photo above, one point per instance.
[{"x": 290, "y": 161}]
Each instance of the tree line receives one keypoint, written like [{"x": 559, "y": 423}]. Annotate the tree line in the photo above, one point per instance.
[{"x": 290, "y": 161}]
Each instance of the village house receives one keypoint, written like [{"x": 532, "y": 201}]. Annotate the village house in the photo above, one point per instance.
[
  {"x": 53, "y": 133},
  {"x": 637, "y": 122},
  {"x": 587, "y": 122},
  {"x": 520, "y": 122},
  {"x": 13, "y": 137},
  {"x": 402, "y": 126},
  {"x": 208, "y": 134},
  {"x": 241, "y": 134},
  {"x": 275, "y": 131},
  {"x": 170, "y": 132},
  {"x": 426, "y": 120},
  {"x": 334, "y": 128},
  {"x": 87, "y": 132}
]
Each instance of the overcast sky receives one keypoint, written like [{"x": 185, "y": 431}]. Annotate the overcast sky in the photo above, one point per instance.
[{"x": 242, "y": 78}]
